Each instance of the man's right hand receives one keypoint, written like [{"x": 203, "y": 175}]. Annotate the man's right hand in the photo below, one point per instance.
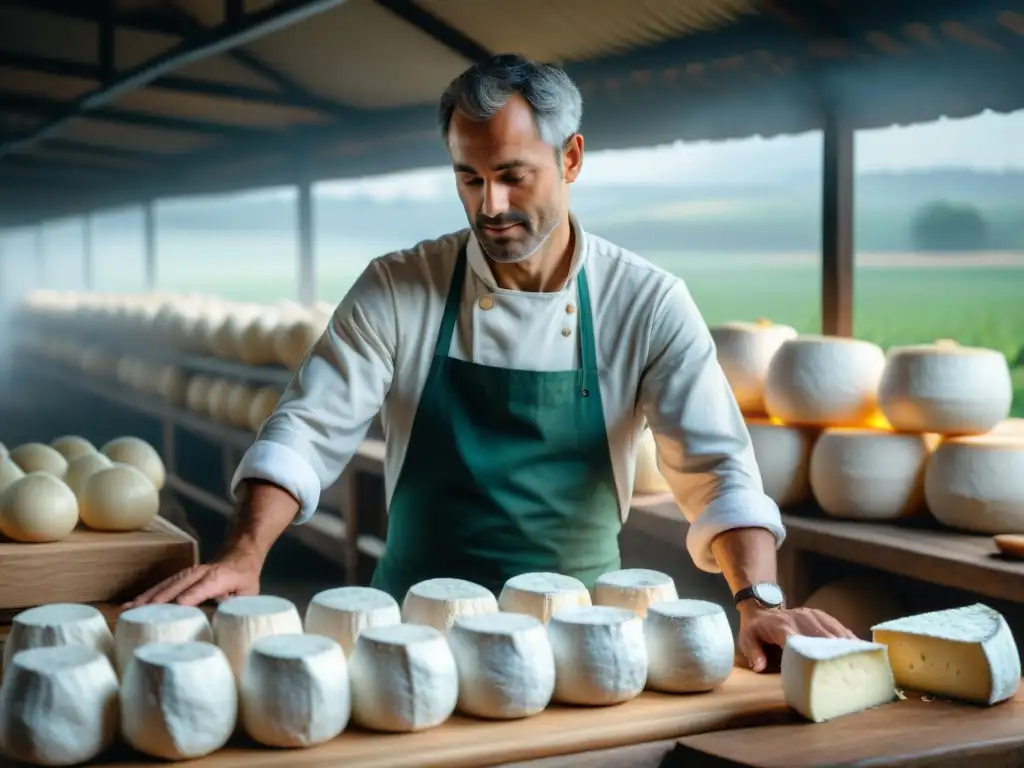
[{"x": 231, "y": 575}]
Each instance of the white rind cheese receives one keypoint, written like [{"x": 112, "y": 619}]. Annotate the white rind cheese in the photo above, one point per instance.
[
  {"x": 864, "y": 474},
  {"x": 635, "y": 589},
  {"x": 964, "y": 653},
  {"x": 977, "y": 484},
  {"x": 72, "y": 447},
  {"x": 505, "y": 663},
  {"x": 828, "y": 677},
  {"x": 178, "y": 701},
  {"x": 139, "y": 454},
  {"x": 82, "y": 468},
  {"x": 120, "y": 498},
  {"x": 170, "y": 623},
  {"x": 744, "y": 351},
  {"x": 295, "y": 691},
  {"x": 647, "y": 478},
  {"x": 38, "y": 508},
  {"x": 403, "y": 678},
  {"x": 59, "y": 624},
  {"x": 600, "y": 655},
  {"x": 690, "y": 647},
  {"x": 38, "y": 457},
  {"x": 344, "y": 612},
  {"x": 541, "y": 595},
  {"x": 9, "y": 473},
  {"x": 241, "y": 621},
  {"x": 438, "y": 602},
  {"x": 58, "y": 706},
  {"x": 783, "y": 455}
]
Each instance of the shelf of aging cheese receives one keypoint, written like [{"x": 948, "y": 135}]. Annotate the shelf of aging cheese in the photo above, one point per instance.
[{"x": 324, "y": 533}]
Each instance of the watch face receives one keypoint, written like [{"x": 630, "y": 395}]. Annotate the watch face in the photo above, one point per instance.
[{"x": 769, "y": 594}]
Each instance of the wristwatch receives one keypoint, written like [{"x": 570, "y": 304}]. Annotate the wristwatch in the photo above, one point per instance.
[{"x": 765, "y": 594}]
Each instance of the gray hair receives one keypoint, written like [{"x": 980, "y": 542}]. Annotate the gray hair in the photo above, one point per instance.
[{"x": 483, "y": 89}]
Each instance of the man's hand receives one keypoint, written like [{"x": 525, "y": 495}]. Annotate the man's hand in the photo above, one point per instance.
[
  {"x": 761, "y": 627},
  {"x": 230, "y": 575}
]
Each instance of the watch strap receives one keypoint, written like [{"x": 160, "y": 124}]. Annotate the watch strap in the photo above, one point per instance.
[{"x": 751, "y": 593}]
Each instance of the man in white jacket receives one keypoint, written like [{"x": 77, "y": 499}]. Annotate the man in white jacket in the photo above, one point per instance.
[{"x": 514, "y": 365}]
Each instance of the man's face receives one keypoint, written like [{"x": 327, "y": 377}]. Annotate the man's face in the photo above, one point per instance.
[{"x": 509, "y": 180}]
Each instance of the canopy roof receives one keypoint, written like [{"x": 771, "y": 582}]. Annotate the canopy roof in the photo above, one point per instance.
[{"x": 109, "y": 102}]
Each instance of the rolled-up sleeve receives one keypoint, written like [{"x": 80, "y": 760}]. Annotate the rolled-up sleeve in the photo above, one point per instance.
[
  {"x": 704, "y": 448},
  {"x": 327, "y": 408}
]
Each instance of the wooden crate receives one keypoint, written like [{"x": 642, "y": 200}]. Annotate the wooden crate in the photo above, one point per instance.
[{"x": 92, "y": 567}]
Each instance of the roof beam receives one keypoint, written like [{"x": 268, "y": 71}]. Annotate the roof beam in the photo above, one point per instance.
[
  {"x": 211, "y": 43},
  {"x": 436, "y": 28}
]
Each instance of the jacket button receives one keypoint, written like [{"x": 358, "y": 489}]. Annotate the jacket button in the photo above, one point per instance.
[
  {"x": 486, "y": 302},
  {"x": 566, "y": 332},
  {"x": 569, "y": 309}
]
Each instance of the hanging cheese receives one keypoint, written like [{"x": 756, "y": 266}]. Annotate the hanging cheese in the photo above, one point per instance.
[
  {"x": 263, "y": 404},
  {"x": 647, "y": 477},
  {"x": 783, "y": 455},
  {"x": 139, "y": 454},
  {"x": 689, "y": 646},
  {"x": 438, "y": 602},
  {"x": 865, "y": 474},
  {"x": 635, "y": 589},
  {"x": 241, "y": 621},
  {"x": 170, "y": 623},
  {"x": 197, "y": 393},
  {"x": 828, "y": 677},
  {"x": 403, "y": 678},
  {"x": 239, "y": 400},
  {"x": 295, "y": 691},
  {"x": 58, "y": 706},
  {"x": 858, "y": 604},
  {"x": 744, "y": 351},
  {"x": 120, "y": 498},
  {"x": 72, "y": 447},
  {"x": 945, "y": 388},
  {"x": 82, "y": 468},
  {"x": 343, "y": 612},
  {"x": 38, "y": 508},
  {"x": 541, "y": 595},
  {"x": 824, "y": 381},
  {"x": 600, "y": 655},
  {"x": 179, "y": 701},
  {"x": 977, "y": 484},
  {"x": 37, "y": 457},
  {"x": 9, "y": 473},
  {"x": 964, "y": 653},
  {"x": 58, "y": 624}
]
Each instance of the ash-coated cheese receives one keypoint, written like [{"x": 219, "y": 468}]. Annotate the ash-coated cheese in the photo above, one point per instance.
[
  {"x": 600, "y": 655},
  {"x": 403, "y": 678},
  {"x": 635, "y": 589},
  {"x": 505, "y": 663},
  {"x": 241, "y": 621},
  {"x": 295, "y": 691},
  {"x": 745, "y": 350},
  {"x": 58, "y": 706},
  {"x": 342, "y": 613},
  {"x": 964, "y": 653},
  {"x": 542, "y": 594},
  {"x": 783, "y": 455},
  {"x": 170, "y": 623},
  {"x": 59, "y": 624},
  {"x": 179, "y": 701},
  {"x": 438, "y": 602},
  {"x": 690, "y": 647},
  {"x": 828, "y": 677}
]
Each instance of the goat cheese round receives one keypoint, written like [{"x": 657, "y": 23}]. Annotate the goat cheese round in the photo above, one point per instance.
[
  {"x": 72, "y": 447},
  {"x": 977, "y": 484},
  {"x": 59, "y": 624},
  {"x": 438, "y": 602},
  {"x": 241, "y": 621},
  {"x": 403, "y": 678},
  {"x": 170, "y": 623},
  {"x": 689, "y": 646},
  {"x": 647, "y": 478},
  {"x": 744, "y": 352},
  {"x": 505, "y": 663},
  {"x": 342, "y": 613},
  {"x": 38, "y": 508},
  {"x": 600, "y": 655},
  {"x": 866, "y": 474},
  {"x": 824, "y": 381},
  {"x": 82, "y": 468},
  {"x": 945, "y": 388},
  {"x": 179, "y": 701},
  {"x": 58, "y": 706},
  {"x": 37, "y": 457},
  {"x": 783, "y": 455},
  {"x": 635, "y": 589},
  {"x": 120, "y": 498},
  {"x": 542, "y": 594},
  {"x": 295, "y": 691}
]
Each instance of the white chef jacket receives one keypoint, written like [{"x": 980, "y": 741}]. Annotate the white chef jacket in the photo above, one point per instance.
[{"x": 655, "y": 354}]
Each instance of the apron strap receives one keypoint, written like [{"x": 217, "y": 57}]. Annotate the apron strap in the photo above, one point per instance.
[{"x": 588, "y": 347}]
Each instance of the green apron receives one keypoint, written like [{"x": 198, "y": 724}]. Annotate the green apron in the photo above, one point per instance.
[{"x": 506, "y": 472}]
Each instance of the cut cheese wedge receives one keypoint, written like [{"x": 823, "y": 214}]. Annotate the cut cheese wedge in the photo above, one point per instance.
[
  {"x": 964, "y": 653},
  {"x": 634, "y": 589},
  {"x": 403, "y": 678},
  {"x": 59, "y": 624},
  {"x": 828, "y": 677},
  {"x": 600, "y": 655},
  {"x": 344, "y": 612},
  {"x": 689, "y": 646},
  {"x": 241, "y": 621},
  {"x": 783, "y": 455},
  {"x": 438, "y": 602},
  {"x": 541, "y": 595},
  {"x": 169, "y": 623},
  {"x": 506, "y": 666}
]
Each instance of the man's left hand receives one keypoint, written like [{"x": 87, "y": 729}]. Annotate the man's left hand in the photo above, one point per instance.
[{"x": 761, "y": 627}]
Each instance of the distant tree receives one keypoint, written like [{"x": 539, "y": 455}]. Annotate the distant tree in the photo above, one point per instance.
[{"x": 947, "y": 226}]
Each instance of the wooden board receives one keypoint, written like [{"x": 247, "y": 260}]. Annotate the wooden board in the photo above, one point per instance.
[
  {"x": 92, "y": 567},
  {"x": 917, "y": 731},
  {"x": 745, "y": 699}
]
